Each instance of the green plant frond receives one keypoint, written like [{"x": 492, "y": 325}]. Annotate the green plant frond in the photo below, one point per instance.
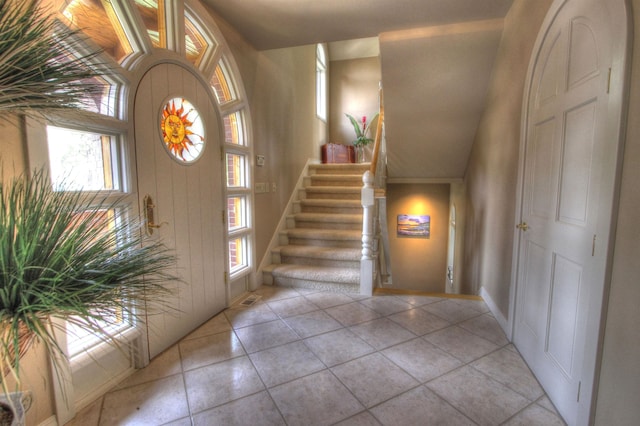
[
  {"x": 362, "y": 137},
  {"x": 38, "y": 67},
  {"x": 356, "y": 126},
  {"x": 64, "y": 255}
]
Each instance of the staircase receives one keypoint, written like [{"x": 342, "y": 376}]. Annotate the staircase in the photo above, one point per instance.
[{"x": 321, "y": 246}]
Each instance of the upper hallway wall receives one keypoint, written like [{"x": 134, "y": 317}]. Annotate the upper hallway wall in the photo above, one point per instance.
[
  {"x": 354, "y": 89},
  {"x": 435, "y": 81}
]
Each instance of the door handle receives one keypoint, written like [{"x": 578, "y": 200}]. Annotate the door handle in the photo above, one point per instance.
[
  {"x": 148, "y": 215},
  {"x": 523, "y": 226}
]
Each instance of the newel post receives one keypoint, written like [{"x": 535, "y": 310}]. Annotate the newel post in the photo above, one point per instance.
[{"x": 367, "y": 259}]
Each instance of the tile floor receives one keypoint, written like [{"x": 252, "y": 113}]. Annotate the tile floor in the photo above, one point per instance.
[{"x": 303, "y": 357}]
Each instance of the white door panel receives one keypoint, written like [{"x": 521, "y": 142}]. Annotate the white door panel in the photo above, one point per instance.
[{"x": 570, "y": 126}]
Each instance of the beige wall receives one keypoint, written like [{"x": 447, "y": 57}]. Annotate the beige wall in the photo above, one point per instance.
[
  {"x": 419, "y": 263},
  {"x": 13, "y": 156},
  {"x": 285, "y": 130},
  {"x": 353, "y": 89},
  {"x": 617, "y": 398},
  {"x": 492, "y": 170}
]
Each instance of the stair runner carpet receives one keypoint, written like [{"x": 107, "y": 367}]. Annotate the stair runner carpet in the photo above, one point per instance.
[{"x": 322, "y": 245}]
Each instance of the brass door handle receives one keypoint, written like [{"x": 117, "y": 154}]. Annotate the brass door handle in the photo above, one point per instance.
[
  {"x": 523, "y": 226},
  {"x": 148, "y": 215}
]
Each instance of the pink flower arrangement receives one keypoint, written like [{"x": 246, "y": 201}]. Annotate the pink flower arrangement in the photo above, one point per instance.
[{"x": 362, "y": 129}]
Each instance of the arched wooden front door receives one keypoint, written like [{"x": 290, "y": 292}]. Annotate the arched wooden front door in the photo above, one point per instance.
[{"x": 186, "y": 197}]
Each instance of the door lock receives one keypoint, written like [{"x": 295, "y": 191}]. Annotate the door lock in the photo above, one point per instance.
[{"x": 523, "y": 226}]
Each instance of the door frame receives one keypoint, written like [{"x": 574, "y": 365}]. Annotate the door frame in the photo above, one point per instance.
[{"x": 622, "y": 17}]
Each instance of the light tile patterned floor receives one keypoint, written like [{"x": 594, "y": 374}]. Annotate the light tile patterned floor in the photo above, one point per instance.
[{"x": 302, "y": 357}]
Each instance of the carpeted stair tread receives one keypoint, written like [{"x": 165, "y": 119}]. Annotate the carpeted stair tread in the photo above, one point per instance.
[
  {"x": 339, "y": 168},
  {"x": 317, "y": 273},
  {"x": 335, "y": 180},
  {"x": 333, "y": 192},
  {"x": 325, "y": 234},
  {"x": 319, "y": 252},
  {"x": 329, "y": 218},
  {"x": 329, "y": 202},
  {"x": 335, "y": 189}
]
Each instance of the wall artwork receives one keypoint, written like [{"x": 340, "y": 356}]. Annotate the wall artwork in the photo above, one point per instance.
[{"x": 417, "y": 226}]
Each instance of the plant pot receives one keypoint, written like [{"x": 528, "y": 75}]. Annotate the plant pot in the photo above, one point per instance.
[
  {"x": 363, "y": 153},
  {"x": 360, "y": 154},
  {"x": 12, "y": 408}
]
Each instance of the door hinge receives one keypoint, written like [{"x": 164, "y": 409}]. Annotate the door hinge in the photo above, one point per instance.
[
  {"x": 579, "y": 387},
  {"x": 224, "y": 217},
  {"x": 226, "y": 277},
  {"x": 221, "y": 153},
  {"x": 593, "y": 246},
  {"x": 609, "y": 81}
]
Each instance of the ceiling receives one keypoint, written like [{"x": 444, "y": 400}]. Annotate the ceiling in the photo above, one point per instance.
[
  {"x": 272, "y": 24},
  {"x": 436, "y": 61}
]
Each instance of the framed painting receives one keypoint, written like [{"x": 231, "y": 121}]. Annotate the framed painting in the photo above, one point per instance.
[{"x": 418, "y": 226}]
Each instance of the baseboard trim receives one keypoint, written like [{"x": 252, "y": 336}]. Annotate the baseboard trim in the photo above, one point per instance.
[
  {"x": 504, "y": 322},
  {"x": 383, "y": 290},
  {"x": 51, "y": 421}
]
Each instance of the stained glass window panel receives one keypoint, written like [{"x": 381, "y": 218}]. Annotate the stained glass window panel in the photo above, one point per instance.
[{"x": 182, "y": 130}]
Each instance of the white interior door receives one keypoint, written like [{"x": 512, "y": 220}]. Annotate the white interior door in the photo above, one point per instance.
[
  {"x": 188, "y": 200},
  {"x": 571, "y": 145}
]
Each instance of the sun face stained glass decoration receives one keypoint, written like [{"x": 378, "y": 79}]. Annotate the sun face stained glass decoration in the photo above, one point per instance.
[{"x": 182, "y": 130}]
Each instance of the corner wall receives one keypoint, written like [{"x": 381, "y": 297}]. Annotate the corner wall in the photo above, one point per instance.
[
  {"x": 492, "y": 169},
  {"x": 285, "y": 130}
]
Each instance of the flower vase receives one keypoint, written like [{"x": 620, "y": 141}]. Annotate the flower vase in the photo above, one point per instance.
[{"x": 360, "y": 154}]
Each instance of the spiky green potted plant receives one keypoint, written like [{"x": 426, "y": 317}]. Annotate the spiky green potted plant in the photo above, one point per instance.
[
  {"x": 64, "y": 255},
  {"x": 58, "y": 256}
]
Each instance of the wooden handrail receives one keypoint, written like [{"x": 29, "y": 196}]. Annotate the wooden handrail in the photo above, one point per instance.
[{"x": 378, "y": 139}]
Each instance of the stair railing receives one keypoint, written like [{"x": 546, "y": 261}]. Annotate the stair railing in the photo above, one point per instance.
[{"x": 374, "y": 216}]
